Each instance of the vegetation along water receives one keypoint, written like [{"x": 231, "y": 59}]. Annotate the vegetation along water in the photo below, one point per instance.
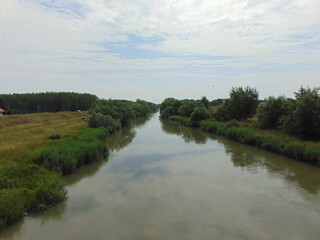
[
  {"x": 32, "y": 183},
  {"x": 163, "y": 180},
  {"x": 39, "y": 150},
  {"x": 284, "y": 126}
]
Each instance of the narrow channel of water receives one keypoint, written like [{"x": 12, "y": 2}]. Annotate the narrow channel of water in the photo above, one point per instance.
[{"x": 166, "y": 181}]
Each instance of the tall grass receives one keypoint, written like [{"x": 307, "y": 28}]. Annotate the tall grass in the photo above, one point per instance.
[
  {"x": 73, "y": 152},
  {"x": 25, "y": 188}
]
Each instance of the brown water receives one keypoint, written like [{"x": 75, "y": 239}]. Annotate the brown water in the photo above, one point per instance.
[{"x": 165, "y": 181}]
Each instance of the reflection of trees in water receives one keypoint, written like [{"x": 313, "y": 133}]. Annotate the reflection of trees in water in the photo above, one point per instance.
[
  {"x": 120, "y": 138},
  {"x": 124, "y": 136},
  {"x": 251, "y": 159},
  {"x": 141, "y": 121},
  {"x": 84, "y": 172},
  {"x": 187, "y": 133}
]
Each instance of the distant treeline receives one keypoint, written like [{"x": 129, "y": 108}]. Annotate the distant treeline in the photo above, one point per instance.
[{"x": 46, "y": 102}]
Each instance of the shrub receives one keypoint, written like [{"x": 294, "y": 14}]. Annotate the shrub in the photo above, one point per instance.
[
  {"x": 232, "y": 123},
  {"x": 100, "y": 120}
]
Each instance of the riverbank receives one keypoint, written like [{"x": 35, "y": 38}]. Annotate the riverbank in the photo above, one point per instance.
[
  {"x": 304, "y": 151},
  {"x": 27, "y": 183},
  {"x": 35, "y": 157}
]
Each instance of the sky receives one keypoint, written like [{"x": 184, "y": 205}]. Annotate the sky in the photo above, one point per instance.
[{"x": 154, "y": 49}]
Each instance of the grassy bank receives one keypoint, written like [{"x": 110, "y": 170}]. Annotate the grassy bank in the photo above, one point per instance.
[
  {"x": 23, "y": 136},
  {"x": 31, "y": 164},
  {"x": 273, "y": 141}
]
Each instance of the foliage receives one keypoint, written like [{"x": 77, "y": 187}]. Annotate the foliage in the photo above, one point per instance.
[
  {"x": 241, "y": 104},
  {"x": 25, "y": 188},
  {"x": 101, "y": 120},
  {"x": 169, "y": 107},
  {"x": 205, "y": 101},
  {"x": 196, "y": 110},
  {"x": 46, "y": 102},
  {"x": 303, "y": 117},
  {"x": 270, "y": 112},
  {"x": 217, "y": 102},
  {"x": 185, "y": 109},
  {"x": 199, "y": 113},
  {"x": 116, "y": 113},
  {"x": 73, "y": 152}
]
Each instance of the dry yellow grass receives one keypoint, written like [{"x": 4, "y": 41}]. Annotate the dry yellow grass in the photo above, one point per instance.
[{"x": 22, "y": 136}]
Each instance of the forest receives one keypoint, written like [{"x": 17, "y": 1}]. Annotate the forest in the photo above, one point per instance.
[{"x": 46, "y": 102}]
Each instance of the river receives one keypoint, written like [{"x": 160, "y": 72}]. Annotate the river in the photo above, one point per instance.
[{"x": 165, "y": 181}]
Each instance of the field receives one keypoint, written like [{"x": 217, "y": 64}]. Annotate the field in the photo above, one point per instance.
[{"x": 23, "y": 136}]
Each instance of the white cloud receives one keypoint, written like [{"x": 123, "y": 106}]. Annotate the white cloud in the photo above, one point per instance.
[{"x": 39, "y": 38}]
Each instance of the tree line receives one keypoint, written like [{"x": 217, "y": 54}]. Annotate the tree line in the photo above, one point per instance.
[
  {"x": 299, "y": 117},
  {"x": 46, "y": 102}
]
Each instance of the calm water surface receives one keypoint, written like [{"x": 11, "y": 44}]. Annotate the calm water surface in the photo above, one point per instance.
[{"x": 165, "y": 181}]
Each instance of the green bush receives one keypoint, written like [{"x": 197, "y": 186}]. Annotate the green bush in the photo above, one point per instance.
[
  {"x": 12, "y": 206},
  {"x": 100, "y": 120},
  {"x": 73, "y": 152},
  {"x": 27, "y": 188}
]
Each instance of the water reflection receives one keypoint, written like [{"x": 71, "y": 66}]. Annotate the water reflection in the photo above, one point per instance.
[
  {"x": 187, "y": 133},
  {"x": 251, "y": 159},
  {"x": 123, "y": 137}
]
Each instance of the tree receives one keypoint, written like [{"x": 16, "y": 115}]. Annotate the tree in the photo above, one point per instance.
[
  {"x": 303, "y": 118},
  {"x": 199, "y": 113},
  {"x": 186, "y": 108},
  {"x": 270, "y": 112},
  {"x": 241, "y": 104},
  {"x": 174, "y": 105},
  {"x": 205, "y": 101}
]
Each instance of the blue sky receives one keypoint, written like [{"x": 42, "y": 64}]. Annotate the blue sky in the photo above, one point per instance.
[{"x": 154, "y": 49}]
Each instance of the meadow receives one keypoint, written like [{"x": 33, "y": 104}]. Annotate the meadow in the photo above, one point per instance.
[{"x": 24, "y": 135}]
